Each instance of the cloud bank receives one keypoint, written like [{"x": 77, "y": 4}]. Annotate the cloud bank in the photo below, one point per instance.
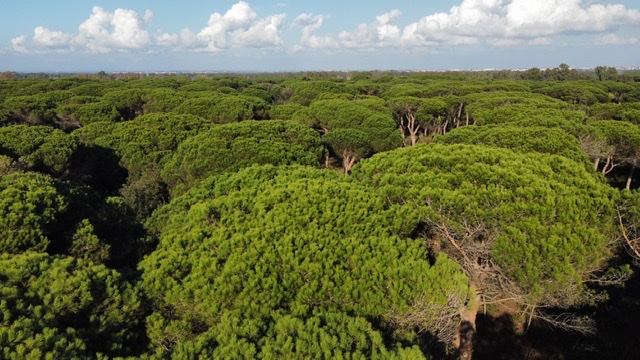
[{"x": 499, "y": 23}]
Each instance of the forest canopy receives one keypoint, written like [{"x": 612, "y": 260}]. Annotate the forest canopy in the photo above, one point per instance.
[{"x": 320, "y": 215}]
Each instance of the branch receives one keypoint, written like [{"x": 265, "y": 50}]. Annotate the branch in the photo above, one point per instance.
[
  {"x": 447, "y": 234},
  {"x": 635, "y": 252},
  {"x": 569, "y": 322}
]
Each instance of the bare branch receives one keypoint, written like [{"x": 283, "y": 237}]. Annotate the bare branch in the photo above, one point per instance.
[
  {"x": 633, "y": 245},
  {"x": 442, "y": 320},
  {"x": 569, "y": 322}
]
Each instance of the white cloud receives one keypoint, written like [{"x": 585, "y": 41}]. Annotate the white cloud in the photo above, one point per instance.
[
  {"x": 263, "y": 33},
  {"x": 500, "y": 23},
  {"x": 541, "y": 41},
  {"x": 505, "y": 21},
  {"x": 102, "y": 32},
  {"x": 126, "y": 30},
  {"x": 239, "y": 27},
  {"x": 215, "y": 34},
  {"x": 504, "y": 42},
  {"x": 310, "y": 23},
  {"x": 121, "y": 30},
  {"x": 379, "y": 33},
  {"x": 614, "y": 39},
  {"x": 148, "y": 16},
  {"x": 18, "y": 44},
  {"x": 188, "y": 38},
  {"x": 167, "y": 39},
  {"x": 47, "y": 38}
]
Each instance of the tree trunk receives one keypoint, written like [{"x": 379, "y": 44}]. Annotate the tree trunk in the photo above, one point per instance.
[
  {"x": 327, "y": 161},
  {"x": 608, "y": 167},
  {"x": 444, "y": 127},
  {"x": 348, "y": 161},
  {"x": 630, "y": 177},
  {"x": 467, "y": 327},
  {"x": 413, "y": 127},
  {"x": 466, "y": 340},
  {"x": 596, "y": 164},
  {"x": 402, "y": 130},
  {"x": 459, "y": 116}
]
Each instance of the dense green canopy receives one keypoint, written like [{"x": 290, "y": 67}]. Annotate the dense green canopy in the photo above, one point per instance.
[
  {"x": 29, "y": 204},
  {"x": 530, "y": 227},
  {"x": 546, "y": 140},
  {"x": 257, "y": 262},
  {"x": 62, "y": 307},
  {"x": 234, "y": 146},
  {"x": 251, "y": 251},
  {"x": 146, "y": 141},
  {"x": 41, "y": 148},
  {"x": 223, "y": 109}
]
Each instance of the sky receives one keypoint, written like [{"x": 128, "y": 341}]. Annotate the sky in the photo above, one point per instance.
[{"x": 327, "y": 35}]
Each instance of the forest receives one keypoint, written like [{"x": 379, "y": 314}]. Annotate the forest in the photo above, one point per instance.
[{"x": 346, "y": 215}]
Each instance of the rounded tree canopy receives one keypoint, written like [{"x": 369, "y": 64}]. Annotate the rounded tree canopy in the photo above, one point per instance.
[
  {"x": 378, "y": 126},
  {"x": 553, "y": 141},
  {"x": 273, "y": 261},
  {"x": 234, "y": 146},
  {"x": 223, "y": 109},
  {"x": 541, "y": 223},
  {"x": 146, "y": 140},
  {"x": 29, "y": 205},
  {"x": 40, "y": 148},
  {"x": 55, "y": 307}
]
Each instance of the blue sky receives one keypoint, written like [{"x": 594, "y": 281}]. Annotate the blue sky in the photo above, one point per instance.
[{"x": 282, "y": 35}]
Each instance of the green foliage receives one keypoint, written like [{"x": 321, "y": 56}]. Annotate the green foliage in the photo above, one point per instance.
[
  {"x": 143, "y": 145},
  {"x": 29, "y": 205},
  {"x": 31, "y": 109},
  {"x": 305, "y": 92},
  {"x": 162, "y": 100},
  {"x": 146, "y": 141},
  {"x": 5, "y": 117},
  {"x": 234, "y": 146},
  {"x": 623, "y": 136},
  {"x": 546, "y": 221},
  {"x": 629, "y": 112},
  {"x": 330, "y": 336},
  {"x": 257, "y": 92},
  {"x": 606, "y": 73},
  {"x": 95, "y": 88},
  {"x": 38, "y": 213},
  {"x": 406, "y": 89},
  {"x": 61, "y": 307},
  {"x": 223, "y": 109},
  {"x": 85, "y": 244},
  {"x": 84, "y": 114},
  {"x": 546, "y": 140},
  {"x": 291, "y": 261},
  {"x": 6, "y": 165},
  {"x": 416, "y": 116},
  {"x": 378, "y": 127},
  {"x": 285, "y": 111},
  {"x": 575, "y": 92},
  {"x": 268, "y": 261},
  {"x": 350, "y": 145},
  {"x": 503, "y": 107},
  {"x": 39, "y": 148},
  {"x": 128, "y": 103}
]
